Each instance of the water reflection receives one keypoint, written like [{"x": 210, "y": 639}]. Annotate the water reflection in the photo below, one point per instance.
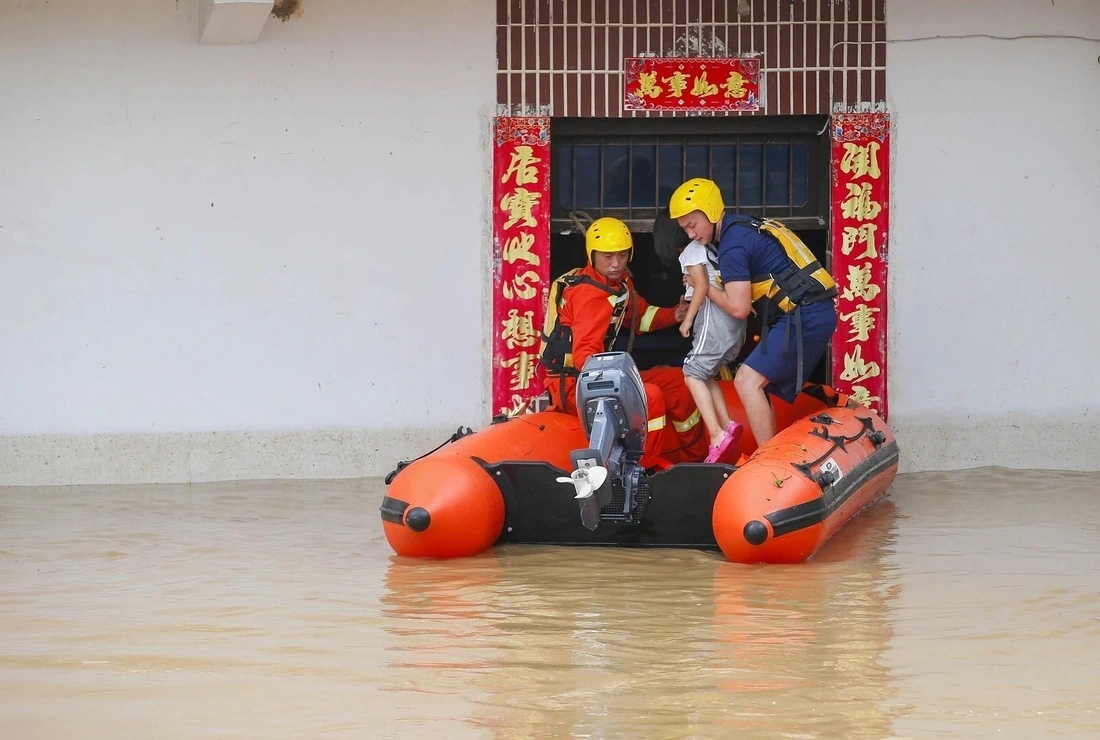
[
  {"x": 626, "y": 642},
  {"x": 964, "y": 605},
  {"x": 808, "y": 640}
]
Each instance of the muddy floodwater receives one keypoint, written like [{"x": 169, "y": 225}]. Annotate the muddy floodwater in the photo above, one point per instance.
[{"x": 965, "y": 604}]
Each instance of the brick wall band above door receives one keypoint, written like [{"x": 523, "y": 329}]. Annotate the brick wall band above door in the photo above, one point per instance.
[{"x": 565, "y": 57}]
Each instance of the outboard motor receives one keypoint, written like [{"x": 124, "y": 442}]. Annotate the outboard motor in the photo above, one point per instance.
[{"x": 611, "y": 403}]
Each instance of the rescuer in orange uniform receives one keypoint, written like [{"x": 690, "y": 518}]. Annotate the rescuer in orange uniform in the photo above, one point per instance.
[{"x": 597, "y": 309}]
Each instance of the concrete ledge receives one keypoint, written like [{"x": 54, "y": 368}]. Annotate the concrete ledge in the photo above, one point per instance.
[
  {"x": 1019, "y": 441},
  {"x": 926, "y": 443},
  {"x": 100, "y": 459}
]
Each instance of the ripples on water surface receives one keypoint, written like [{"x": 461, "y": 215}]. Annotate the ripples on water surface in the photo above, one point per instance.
[{"x": 963, "y": 605}]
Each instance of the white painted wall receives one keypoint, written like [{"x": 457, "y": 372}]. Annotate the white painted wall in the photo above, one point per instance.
[
  {"x": 325, "y": 316},
  {"x": 995, "y": 247},
  {"x": 245, "y": 261}
]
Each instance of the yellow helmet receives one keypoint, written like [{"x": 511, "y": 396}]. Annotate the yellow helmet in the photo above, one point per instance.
[
  {"x": 697, "y": 194},
  {"x": 607, "y": 235}
]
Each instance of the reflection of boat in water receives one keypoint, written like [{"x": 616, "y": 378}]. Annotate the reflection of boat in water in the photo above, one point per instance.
[
  {"x": 523, "y": 480},
  {"x": 819, "y": 632},
  {"x": 549, "y": 642}
]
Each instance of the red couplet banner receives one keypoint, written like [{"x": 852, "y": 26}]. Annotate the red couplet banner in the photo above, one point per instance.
[
  {"x": 690, "y": 83},
  {"x": 521, "y": 256},
  {"x": 860, "y": 227}
]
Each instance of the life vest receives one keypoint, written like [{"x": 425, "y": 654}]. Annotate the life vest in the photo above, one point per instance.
[
  {"x": 774, "y": 295},
  {"x": 556, "y": 349},
  {"x": 712, "y": 257},
  {"x": 804, "y": 281}
]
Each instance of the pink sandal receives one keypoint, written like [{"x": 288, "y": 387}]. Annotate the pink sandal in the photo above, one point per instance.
[
  {"x": 729, "y": 439},
  {"x": 735, "y": 430},
  {"x": 714, "y": 452}
]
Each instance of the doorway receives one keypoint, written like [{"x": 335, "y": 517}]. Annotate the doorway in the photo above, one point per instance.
[{"x": 775, "y": 167}]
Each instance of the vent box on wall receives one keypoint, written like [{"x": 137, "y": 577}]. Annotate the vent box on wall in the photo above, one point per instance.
[{"x": 234, "y": 21}]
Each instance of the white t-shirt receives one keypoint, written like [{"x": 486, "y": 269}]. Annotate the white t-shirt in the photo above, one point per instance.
[{"x": 696, "y": 254}]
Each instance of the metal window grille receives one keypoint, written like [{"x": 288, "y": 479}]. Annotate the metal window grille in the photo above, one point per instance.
[
  {"x": 628, "y": 169},
  {"x": 565, "y": 57}
]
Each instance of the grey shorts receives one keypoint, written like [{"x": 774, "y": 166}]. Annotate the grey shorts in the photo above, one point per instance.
[{"x": 718, "y": 340}]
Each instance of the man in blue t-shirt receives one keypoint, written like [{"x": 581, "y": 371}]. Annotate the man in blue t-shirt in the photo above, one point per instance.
[{"x": 792, "y": 301}]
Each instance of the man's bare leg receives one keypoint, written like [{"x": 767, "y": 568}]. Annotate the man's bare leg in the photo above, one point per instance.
[{"x": 750, "y": 387}]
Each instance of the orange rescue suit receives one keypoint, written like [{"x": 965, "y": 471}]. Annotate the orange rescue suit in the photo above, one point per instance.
[{"x": 599, "y": 316}]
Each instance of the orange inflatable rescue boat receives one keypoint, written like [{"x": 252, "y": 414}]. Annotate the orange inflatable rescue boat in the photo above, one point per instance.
[{"x": 557, "y": 479}]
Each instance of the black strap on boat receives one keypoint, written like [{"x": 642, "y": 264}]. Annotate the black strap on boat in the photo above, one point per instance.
[
  {"x": 867, "y": 429},
  {"x": 838, "y": 441},
  {"x": 459, "y": 434}
]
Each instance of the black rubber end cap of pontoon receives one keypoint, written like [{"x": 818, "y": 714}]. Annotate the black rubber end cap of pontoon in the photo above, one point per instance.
[
  {"x": 418, "y": 519},
  {"x": 756, "y": 532}
]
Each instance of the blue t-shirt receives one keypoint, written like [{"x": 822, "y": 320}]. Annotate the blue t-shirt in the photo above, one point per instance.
[{"x": 743, "y": 251}]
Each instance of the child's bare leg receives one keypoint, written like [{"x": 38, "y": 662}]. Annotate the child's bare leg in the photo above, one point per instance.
[
  {"x": 705, "y": 402},
  {"x": 719, "y": 398}
]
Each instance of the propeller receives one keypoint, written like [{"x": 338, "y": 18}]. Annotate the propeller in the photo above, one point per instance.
[{"x": 586, "y": 480}]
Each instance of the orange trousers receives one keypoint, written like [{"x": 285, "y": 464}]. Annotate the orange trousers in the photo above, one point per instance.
[{"x": 676, "y": 432}]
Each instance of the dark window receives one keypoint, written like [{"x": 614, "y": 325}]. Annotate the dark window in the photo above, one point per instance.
[{"x": 628, "y": 168}]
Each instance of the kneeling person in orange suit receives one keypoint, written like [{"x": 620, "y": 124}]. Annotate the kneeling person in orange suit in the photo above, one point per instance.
[{"x": 597, "y": 309}]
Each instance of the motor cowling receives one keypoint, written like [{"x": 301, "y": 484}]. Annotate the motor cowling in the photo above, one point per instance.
[
  {"x": 613, "y": 376},
  {"x": 611, "y": 403}
]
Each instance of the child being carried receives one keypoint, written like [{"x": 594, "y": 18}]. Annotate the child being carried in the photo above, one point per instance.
[{"x": 717, "y": 341}]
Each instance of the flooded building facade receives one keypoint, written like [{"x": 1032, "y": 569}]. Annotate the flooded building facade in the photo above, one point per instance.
[{"x": 319, "y": 252}]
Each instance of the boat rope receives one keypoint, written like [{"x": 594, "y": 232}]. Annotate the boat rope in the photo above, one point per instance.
[
  {"x": 580, "y": 220},
  {"x": 819, "y": 393},
  {"x": 459, "y": 434}
]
